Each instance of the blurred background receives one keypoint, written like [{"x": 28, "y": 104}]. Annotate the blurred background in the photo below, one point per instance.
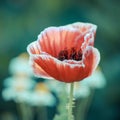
[{"x": 22, "y": 20}]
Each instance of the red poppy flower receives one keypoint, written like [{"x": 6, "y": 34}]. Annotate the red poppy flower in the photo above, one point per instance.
[{"x": 65, "y": 53}]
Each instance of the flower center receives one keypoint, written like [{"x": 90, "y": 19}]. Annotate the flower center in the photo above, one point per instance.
[{"x": 72, "y": 54}]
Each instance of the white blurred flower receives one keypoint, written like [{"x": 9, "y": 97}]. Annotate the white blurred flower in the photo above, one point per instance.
[
  {"x": 41, "y": 96},
  {"x": 19, "y": 85},
  {"x": 96, "y": 80},
  {"x": 8, "y": 94},
  {"x": 17, "y": 96},
  {"x": 42, "y": 99},
  {"x": 83, "y": 88},
  {"x": 20, "y": 64},
  {"x": 55, "y": 86},
  {"x": 17, "y": 89},
  {"x": 80, "y": 90}
]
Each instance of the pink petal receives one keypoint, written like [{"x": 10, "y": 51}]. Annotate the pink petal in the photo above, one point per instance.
[
  {"x": 91, "y": 59},
  {"x": 88, "y": 41},
  {"x": 39, "y": 72},
  {"x": 84, "y": 27},
  {"x": 88, "y": 30},
  {"x": 61, "y": 71},
  {"x": 69, "y": 72},
  {"x": 52, "y": 40},
  {"x": 34, "y": 48}
]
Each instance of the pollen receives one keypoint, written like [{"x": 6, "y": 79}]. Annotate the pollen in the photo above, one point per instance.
[
  {"x": 70, "y": 54},
  {"x": 63, "y": 55}
]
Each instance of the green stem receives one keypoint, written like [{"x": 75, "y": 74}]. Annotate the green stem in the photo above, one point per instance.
[{"x": 70, "y": 104}]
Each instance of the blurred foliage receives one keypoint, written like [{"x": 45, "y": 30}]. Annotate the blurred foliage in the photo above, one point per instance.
[{"x": 22, "y": 20}]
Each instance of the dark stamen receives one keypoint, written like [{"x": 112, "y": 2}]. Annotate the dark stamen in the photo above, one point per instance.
[
  {"x": 79, "y": 56},
  {"x": 63, "y": 55},
  {"x": 70, "y": 54},
  {"x": 73, "y": 54}
]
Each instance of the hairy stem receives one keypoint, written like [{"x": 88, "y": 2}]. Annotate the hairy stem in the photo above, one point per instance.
[{"x": 70, "y": 104}]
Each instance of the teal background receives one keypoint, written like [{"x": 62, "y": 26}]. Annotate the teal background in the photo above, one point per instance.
[{"x": 22, "y": 20}]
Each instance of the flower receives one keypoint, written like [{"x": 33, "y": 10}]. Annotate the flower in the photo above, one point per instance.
[
  {"x": 65, "y": 53},
  {"x": 96, "y": 81},
  {"x": 19, "y": 65},
  {"x": 55, "y": 86},
  {"x": 42, "y": 96},
  {"x": 84, "y": 88},
  {"x": 20, "y": 82},
  {"x": 80, "y": 90}
]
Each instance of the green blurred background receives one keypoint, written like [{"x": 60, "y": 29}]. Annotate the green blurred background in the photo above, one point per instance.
[{"x": 22, "y": 20}]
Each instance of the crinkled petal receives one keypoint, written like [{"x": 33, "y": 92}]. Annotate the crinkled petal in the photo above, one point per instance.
[
  {"x": 39, "y": 72},
  {"x": 34, "y": 48},
  {"x": 91, "y": 59},
  {"x": 54, "y": 39},
  {"x": 88, "y": 41},
  {"x": 65, "y": 71},
  {"x": 84, "y": 27},
  {"x": 88, "y": 30},
  {"x": 45, "y": 51},
  {"x": 61, "y": 71}
]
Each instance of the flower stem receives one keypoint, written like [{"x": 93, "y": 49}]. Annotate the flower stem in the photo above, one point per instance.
[{"x": 70, "y": 104}]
